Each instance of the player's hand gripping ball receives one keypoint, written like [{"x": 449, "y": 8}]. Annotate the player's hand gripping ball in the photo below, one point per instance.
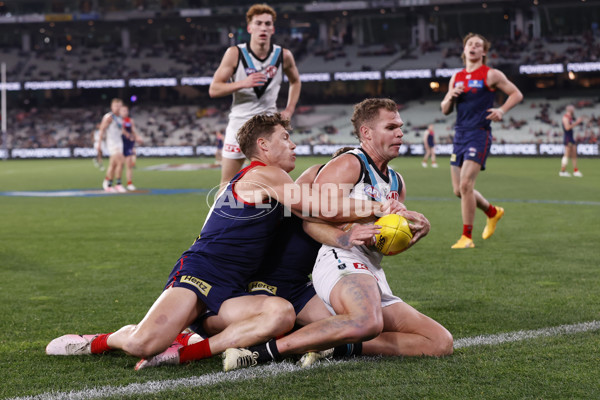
[{"x": 394, "y": 235}]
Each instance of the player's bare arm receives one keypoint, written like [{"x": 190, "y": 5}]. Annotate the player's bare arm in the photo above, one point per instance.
[
  {"x": 342, "y": 173},
  {"x": 453, "y": 92},
  {"x": 106, "y": 121},
  {"x": 291, "y": 71},
  {"x": 220, "y": 85},
  {"x": 273, "y": 182},
  {"x": 353, "y": 235},
  {"x": 497, "y": 80},
  {"x": 570, "y": 125}
]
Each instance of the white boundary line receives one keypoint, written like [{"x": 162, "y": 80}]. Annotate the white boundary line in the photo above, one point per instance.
[{"x": 274, "y": 369}]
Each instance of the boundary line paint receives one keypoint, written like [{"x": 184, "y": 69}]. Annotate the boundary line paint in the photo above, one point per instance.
[{"x": 274, "y": 369}]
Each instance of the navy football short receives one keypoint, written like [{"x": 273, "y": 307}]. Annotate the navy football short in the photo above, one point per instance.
[
  {"x": 471, "y": 145},
  {"x": 298, "y": 293},
  {"x": 568, "y": 138},
  {"x": 202, "y": 276},
  {"x": 430, "y": 141}
]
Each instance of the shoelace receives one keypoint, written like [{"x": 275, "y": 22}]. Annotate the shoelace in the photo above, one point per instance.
[{"x": 248, "y": 360}]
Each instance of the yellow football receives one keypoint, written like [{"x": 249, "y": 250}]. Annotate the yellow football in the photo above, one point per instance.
[{"x": 394, "y": 236}]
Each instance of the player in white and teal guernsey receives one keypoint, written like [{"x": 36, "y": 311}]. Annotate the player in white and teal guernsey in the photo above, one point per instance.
[
  {"x": 369, "y": 318},
  {"x": 252, "y": 72}
]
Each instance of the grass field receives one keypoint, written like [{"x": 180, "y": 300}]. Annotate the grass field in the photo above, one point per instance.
[{"x": 93, "y": 264}]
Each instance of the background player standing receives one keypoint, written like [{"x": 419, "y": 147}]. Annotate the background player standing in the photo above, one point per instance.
[
  {"x": 110, "y": 128},
  {"x": 473, "y": 90},
  {"x": 429, "y": 143},
  {"x": 252, "y": 72},
  {"x": 569, "y": 140},
  {"x": 130, "y": 137}
]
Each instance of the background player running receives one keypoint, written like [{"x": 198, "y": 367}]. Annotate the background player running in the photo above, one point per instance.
[{"x": 472, "y": 91}]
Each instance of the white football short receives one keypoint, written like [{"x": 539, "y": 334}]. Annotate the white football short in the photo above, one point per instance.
[
  {"x": 231, "y": 148},
  {"x": 333, "y": 264},
  {"x": 114, "y": 144}
]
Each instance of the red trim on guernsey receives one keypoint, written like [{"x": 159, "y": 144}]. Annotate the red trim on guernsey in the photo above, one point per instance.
[{"x": 242, "y": 173}]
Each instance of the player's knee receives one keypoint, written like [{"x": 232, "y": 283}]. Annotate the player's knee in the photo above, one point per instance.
[
  {"x": 143, "y": 346},
  {"x": 280, "y": 314},
  {"x": 365, "y": 327},
  {"x": 457, "y": 192},
  {"x": 465, "y": 187},
  {"x": 442, "y": 344}
]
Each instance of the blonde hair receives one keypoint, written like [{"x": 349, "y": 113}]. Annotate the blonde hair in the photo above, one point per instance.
[
  {"x": 486, "y": 45},
  {"x": 262, "y": 125},
  {"x": 367, "y": 110},
  {"x": 259, "y": 9}
]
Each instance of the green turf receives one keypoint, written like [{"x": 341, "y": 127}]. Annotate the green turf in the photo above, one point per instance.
[{"x": 88, "y": 265}]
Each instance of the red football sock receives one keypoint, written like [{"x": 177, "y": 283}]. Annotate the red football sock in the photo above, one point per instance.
[
  {"x": 184, "y": 338},
  {"x": 99, "y": 345},
  {"x": 196, "y": 351},
  {"x": 575, "y": 169},
  {"x": 491, "y": 211},
  {"x": 468, "y": 231}
]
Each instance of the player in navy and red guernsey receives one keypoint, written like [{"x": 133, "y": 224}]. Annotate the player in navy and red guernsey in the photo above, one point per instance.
[
  {"x": 568, "y": 123},
  {"x": 211, "y": 276},
  {"x": 473, "y": 91}
]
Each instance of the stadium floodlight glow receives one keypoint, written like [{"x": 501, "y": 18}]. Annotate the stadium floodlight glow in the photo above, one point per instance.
[
  {"x": 153, "y": 82},
  {"x": 357, "y": 76},
  {"x": 196, "y": 80},
  {"x": 10, "y": 86},
  {"x": 584, "y": 67},
  {"x": 48, "y": 85},
  {"x": 101, "y": 83},
  {"x": 408, "y": 74},
  {"x": 446, "y": 72},
  {"x": 541, "y": 69}
]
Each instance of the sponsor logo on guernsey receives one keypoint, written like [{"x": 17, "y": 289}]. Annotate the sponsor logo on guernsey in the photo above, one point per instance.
[
  {"x": 342, "y": 266},
  {"x": 249, "y": 71},
  {"x": 232, "y": 148},
  {"x": 475, "y": 83},
  {"x": 270, "y": 71},
  {"x": 360, "y": 266},
  {"x": 202, "y": 286},
  {"x": 372, "y": 192},
  {"x": 261, "y": 286},
  {"x": 393, "y": 195}
]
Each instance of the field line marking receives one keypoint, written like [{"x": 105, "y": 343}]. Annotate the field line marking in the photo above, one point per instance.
[
  {"x": 275, "y": 369},
  {"x": 523, "y": 335},
  {"x": 527, "y": 201}
]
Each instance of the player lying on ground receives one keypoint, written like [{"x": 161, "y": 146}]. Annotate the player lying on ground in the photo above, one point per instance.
[{"x": 212, "y": 275}]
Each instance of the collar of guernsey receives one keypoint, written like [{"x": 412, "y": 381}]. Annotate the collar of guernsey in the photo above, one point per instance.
[
  {"x": 116, "y": 119},
  {"x": 391, "y": 174},
  {"x": 249, "y": 59}
]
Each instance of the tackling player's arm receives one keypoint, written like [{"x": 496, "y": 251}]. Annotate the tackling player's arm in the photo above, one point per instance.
[
  {"x": 345, "y": 237},
  {"x": 273, "y": 182},
  {"x": 220, "y": 85},
  {"x": 497, "y": 80},
  {"x": 450, "y": 98},
  {"x": 291, "y": 71}
]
